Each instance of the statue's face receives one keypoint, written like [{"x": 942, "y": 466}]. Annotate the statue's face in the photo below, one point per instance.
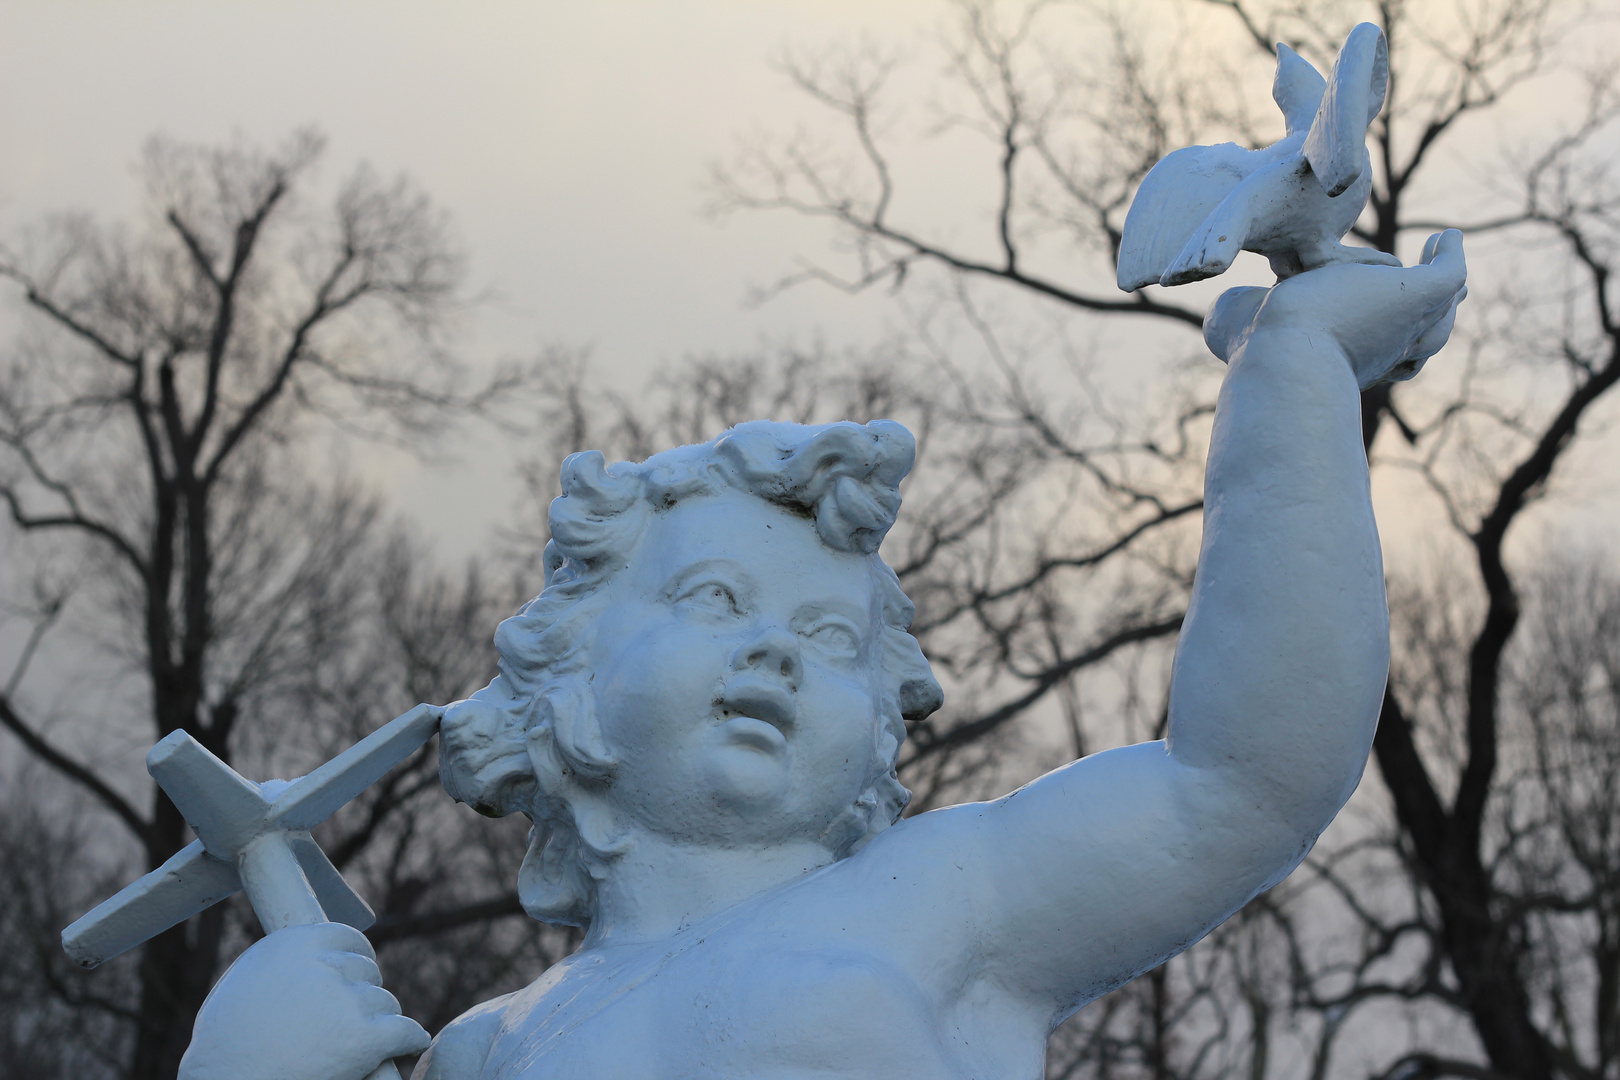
[{"x": 735, "y": 678}]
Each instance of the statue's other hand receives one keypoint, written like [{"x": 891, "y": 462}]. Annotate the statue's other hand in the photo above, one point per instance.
[
  {"x": 1387, "y": 320},
  {"x": 305, "y": 1003}
]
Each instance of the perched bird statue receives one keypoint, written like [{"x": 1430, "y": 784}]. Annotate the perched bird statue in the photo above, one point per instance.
[{"x": 1291, "y": 202}]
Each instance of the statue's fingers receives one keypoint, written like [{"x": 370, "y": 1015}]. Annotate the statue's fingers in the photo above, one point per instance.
[
  {"x": 1434, "y": 337},
  {"x": 1444, "y": 252},
  {"x": 334, "y": 937},
  {"x": 398, "y": 1035},
  {"x": 373, "y": 1000},
  {"x": 1428, "y": 249},
  {"x": 1427, "y": 288},
  {"x": 354, "y": 967},
  {"x": 1230, "y": 317}
]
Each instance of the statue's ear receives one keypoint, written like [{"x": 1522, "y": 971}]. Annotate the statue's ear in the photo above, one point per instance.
[
  {"x": 1297, "y": 89},
  {"x": 566, "y": 737},
  {"x": 1231, "y": 317}
]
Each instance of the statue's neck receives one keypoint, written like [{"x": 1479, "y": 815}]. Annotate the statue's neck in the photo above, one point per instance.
[{"x": 658, "y": 887}]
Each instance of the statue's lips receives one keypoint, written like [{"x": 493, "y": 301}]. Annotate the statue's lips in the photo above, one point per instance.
[
  {"x": 757, "y": 713},
  {"x": 754, "y": 734}
]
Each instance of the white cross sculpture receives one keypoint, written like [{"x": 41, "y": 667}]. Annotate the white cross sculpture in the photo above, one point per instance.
[{"x": 253, "y": 837}]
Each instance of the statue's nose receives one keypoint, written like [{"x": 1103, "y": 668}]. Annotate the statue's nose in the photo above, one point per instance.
[{"x": 773, "y": 651}]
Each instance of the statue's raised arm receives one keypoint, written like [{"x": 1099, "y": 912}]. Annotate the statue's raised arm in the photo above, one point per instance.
[
  {"x": 1101, "y": 870},
  {"x": 1104, "y": 868}
]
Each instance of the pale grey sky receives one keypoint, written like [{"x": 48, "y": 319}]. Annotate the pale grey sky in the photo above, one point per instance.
[{"x": 569, "y": 141}]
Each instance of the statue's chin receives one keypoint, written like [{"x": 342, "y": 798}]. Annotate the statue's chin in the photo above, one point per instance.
[{"x": 747, "y": 772}]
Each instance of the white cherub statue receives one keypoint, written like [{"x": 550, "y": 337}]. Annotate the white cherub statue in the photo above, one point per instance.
[{"x": 702, "y": 711}]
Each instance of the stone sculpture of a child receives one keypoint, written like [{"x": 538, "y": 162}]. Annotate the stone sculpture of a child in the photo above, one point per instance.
[{"x": 703, "y": 709}]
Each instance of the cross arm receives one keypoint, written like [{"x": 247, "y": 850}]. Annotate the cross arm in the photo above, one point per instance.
[
  {"x": 187, "y": 883},
  {"x": 312, "y": 799},
  {"x": 229, "y": 814}
]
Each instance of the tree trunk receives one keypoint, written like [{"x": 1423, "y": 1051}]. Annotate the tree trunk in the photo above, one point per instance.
[
  {"x": 177, "y": 969},
  {"x": 177, "y": 966},
  {"x": 1484, "y": 958}
]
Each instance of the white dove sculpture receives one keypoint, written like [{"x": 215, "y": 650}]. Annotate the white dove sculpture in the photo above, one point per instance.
[{"x": 1291, "y": 202}]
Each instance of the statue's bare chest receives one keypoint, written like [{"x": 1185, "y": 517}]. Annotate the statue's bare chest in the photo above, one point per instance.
[{"x": 743, "y": 1007}]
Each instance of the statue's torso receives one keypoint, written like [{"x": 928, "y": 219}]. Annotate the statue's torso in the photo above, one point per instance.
[
  {"x": 724, "y": 1014},
  {"x": 780, "y": 988}
]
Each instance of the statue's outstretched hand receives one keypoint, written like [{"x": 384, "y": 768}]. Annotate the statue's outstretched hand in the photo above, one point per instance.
[
  {"x": 1387, "y": 320},
  {"x": 305, "y": 1003}
]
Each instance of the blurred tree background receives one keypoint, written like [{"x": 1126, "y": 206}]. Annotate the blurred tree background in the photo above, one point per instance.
[{"x": 181, "y": 555}]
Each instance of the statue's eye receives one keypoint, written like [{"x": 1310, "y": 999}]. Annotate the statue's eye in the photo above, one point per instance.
[
  {"x": 833, "y": 635},
  {"x": 712, "y": 596}
]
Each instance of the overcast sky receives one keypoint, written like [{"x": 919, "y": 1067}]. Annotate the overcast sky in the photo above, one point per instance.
[{"x": 569, "y": 141}]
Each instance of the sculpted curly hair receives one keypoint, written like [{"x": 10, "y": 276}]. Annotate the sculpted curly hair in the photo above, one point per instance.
[{"x": 529, "y": 742}]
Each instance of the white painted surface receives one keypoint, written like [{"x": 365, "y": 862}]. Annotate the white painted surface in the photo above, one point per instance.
[
  {"x": 721, "y": 710},
  {"x": 700, "y": 714},
  {"x": 1291, "y": 202}
]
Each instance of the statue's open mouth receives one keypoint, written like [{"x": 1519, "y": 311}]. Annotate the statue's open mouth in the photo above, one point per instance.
[
  {"x": 756, "y": 712},
  {"x": 755, "y": 734}
]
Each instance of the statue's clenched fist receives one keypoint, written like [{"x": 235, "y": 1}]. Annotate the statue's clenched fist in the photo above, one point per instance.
[{"x": 306, "y": 1003}]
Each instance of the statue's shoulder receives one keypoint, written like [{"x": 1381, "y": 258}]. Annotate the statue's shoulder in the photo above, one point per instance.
[{"x": 460, "y": 1050}]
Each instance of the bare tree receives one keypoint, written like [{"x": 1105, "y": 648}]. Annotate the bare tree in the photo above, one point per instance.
[
  {"x": 1458, "y": 929},
  {"x": 1048, "y": 538},
  {"x": 156, "y": 414}
]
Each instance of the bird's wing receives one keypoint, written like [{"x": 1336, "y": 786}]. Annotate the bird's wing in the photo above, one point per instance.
[
  {"x": 1297, "y": 89},
  {"x": 1337, "y": 144},
  {"x": 1173, "y": 201},
  {"x": 1261, "y": 196}
]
